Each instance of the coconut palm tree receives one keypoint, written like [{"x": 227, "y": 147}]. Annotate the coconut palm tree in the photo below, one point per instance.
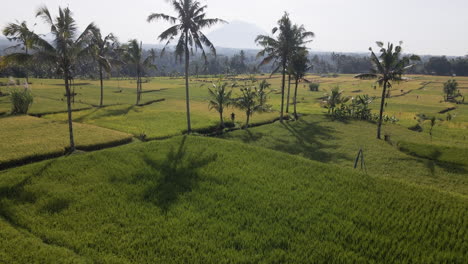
[
  {"x": 20, "y": 33},
  {"x": 62, "y": 53},
  {"x": 134, "y": 55},
  {"x": 101, "y": 49},
  {"x": 187, "y": 26},
  {"x": 279, "y": 50},
  {"x": 389, "y": 67},
  {"x": 299, "y": 67},
  {"x": 248, "y": 102},
  {"x": 220, "y": 98},
  {"x": 334, "y": 98}
]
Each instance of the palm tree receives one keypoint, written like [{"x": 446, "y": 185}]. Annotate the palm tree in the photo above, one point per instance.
[
  {"x": 389, "y": 67},
  {"x": 279, "y": 50},
  {"x": 248, "y": 102},
  {"x": 64, "y": 51},
  {"x": 190, "y": 20},
  {"x": 299, "y": 66},
  {"x": 134, "y": 56},
  {"x": 262, "y": 93},
  {"x": 101, "y": 49},
  {"x": 220, "y": 98},
  {"x": 19, "y": 32},
  {"x": 334, "y": 99}
]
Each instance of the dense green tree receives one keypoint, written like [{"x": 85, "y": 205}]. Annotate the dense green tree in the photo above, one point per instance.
[
  {"x": 439, "y": 66},
  {"x": 188, "y": 25},
  {"x": 450, "y": 89},
  {"x": 389, "y": 67}
]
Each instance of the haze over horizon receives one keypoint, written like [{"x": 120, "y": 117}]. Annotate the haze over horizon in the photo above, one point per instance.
[{"x": 426, "y": 27}]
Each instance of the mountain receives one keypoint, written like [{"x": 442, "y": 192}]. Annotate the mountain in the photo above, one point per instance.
[{"x": 237, "y": 35}]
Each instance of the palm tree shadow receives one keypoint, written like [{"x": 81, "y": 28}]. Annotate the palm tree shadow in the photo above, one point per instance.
[
  {"x": 178, "y": 174},
  {"x": 250, "y": 136},
  {"x": 19, "y": 193},
  {"x": 432, "y": 162},
  {"x": 310, "y": 138},
  {"x": 116, "y": 112}
]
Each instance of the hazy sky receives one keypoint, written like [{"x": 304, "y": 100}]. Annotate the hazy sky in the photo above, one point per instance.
[{"x": 426, "y": 26}]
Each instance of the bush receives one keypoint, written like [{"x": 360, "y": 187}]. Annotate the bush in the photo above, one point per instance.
[
  {"x": 314, "y": 87},
  {"x": 21, "y": 100}
]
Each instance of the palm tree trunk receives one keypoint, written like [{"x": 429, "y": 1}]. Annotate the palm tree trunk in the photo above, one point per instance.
[
  {"x": 295, "y": 99},
  {"x": 69, "y": 110},
  {"x": 73, "y": 92},
  {"x": 282, "y": 92},
  {"x": 248, "y": 120},
  {"x": 289, "y": 92},
  {"x": 26, "y": 68},
  {"x": 187, "y": 93},
  {"x": 138, "y": 87},
  {"x": 141, "y": 89},
  {"x": 102, "y": 87},
  {"x": 221, "y": 118},
  {"x": 382, "y": 104}
]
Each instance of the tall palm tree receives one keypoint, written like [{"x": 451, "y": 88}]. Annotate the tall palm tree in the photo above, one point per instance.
[
  {"x": 389, "y": 67},
  {"x": 134, "y": 55},
  {"x": 190, "y": 20},
  {"x": 63, "y": 52},
  {"x": 301, "y": 38},
  {"x": 220, "y": 98},
  {"x": 101, "y": 49},
  {"x": 20, "y": 32},
  {"x": 279, "y": 50},
  {"x": 299, "y": 66}
]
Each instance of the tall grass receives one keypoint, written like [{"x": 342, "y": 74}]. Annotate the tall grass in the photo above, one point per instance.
[{"x": 21, "y": 100}]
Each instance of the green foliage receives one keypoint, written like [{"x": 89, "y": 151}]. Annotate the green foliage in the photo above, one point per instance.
[
  {"x": 451, "y": 90},
  {"x": 21, "y": 100},
  {"x": 220, "y": 98},
  {"x": 334, "y": 100},
  {"x": 253, "y": 99},
  {"x": 450, "y": 87},
  {"x": 314, "y": 87}
]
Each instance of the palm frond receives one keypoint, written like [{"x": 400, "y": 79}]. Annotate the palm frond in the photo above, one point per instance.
[{"x": 158, "y": 16}]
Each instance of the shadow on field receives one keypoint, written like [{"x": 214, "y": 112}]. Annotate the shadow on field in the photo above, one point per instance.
[
  {"x": 103, "y": 112},
  {"x": 310, "y": 141},
  {"x": 19, "y": 194},
  {"x": 178, "y": 174},
  {"x": 432, "y": 161}
]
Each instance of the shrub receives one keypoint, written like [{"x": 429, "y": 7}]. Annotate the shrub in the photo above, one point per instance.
[
  {"x": 314, "y": 87},
  {"x": 21, "y": 100}
]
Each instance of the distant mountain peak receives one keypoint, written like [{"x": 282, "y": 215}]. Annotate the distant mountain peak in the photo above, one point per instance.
[{"x": 237, "y": 34}]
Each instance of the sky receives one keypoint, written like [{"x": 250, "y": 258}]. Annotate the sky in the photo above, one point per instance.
[{"x": 426, "y": 27}]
